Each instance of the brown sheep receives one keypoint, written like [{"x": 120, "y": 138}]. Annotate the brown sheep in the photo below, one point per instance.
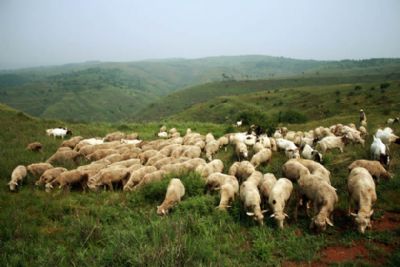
[
  {"x": 35, "y": 147},
  {"x": 37, "y": 169}
]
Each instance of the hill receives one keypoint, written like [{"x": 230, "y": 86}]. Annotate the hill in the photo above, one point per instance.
[
  {"x": 119, "y": 229},
  {"x": 115, "y": 91},
  {"x": 200, "y": 102}
]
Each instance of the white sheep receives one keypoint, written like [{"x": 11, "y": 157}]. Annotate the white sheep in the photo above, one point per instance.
[
  {"x": 212, "y": 148},
  {"x": 374, "y": 167},
  {"x": 362, "y": 193},
  {"x": 251, "y": 198},
  {"x": 241, "y": 169},
  {"x": 387, "y": 136},
  {"x": 309, "y": 153},
  {"x": 331, "y": 142},
  {"x": 175, "y": 192},
  {"x": 379, "y": 152},
  {"x": 392, "y": 121},
  {"x": 266, "y": 185},
  {"x": 137, "y": 176},
  {"x": 241, "y": 150},
  {"x": 18, "y": 174},
  {"x": 279, "y": 195},
  {"x": 37, "y": 169},
  {"x": 49, "y": 175},
  {"x": 263, "y": 156},
  {"x": 206, "y": 169},
  {"x": 68, "y": 178},
  {"x": 110, "y": 175}
]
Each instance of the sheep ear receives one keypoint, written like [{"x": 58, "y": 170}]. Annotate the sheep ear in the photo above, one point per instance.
[
  {"x": 272, "y": 215},
  {"x": 353, "y": 214},
  {"x": 329, "y": 222},
  {"x": 264, "y": 211},
  {"x": 250, "y": 213},
  {"x": 217, "y": 188},
  {"x": 286, "y": 215},
  {"x": 372, "y": 212}
]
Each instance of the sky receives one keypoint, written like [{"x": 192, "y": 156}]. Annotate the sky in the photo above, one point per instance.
[{"x": 52, "y": 32}]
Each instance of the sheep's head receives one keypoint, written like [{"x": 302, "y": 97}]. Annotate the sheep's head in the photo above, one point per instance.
[
  {"x": 316, "y": 156},
  {"x": 279, "y": 218},
  {"x": 13, "y": 185},
  {"x": 49, "y": 187},
  {"x": 161, "y": 211},
  {"x": 363, "y": 220},
  {"x": 320, "y": 221}
]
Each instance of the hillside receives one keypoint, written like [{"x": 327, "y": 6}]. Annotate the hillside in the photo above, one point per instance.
[
  {"x": 186, "y": 102},
  {"x": 115, "y": 91},
  {"x": 108, "y": 228}
]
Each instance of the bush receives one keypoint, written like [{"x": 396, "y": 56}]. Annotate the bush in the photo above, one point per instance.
[
  {"x": 384, "y": 85},
  {"x": 254, "y": 117},
  {"x": 357, "y": 87},
  {"x": 291, "y": 116}
]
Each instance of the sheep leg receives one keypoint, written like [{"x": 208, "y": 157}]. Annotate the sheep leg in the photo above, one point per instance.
[{"x": 110, "y": 186}]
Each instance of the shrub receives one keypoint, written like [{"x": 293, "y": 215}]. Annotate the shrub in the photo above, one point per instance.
[
  {"x": 357, "y": 87},
  {"x": 291, "y": 116},
  {"x": 384, "y": 85}
]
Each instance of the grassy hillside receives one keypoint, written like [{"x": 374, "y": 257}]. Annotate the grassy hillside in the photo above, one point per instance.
[
  {"x": 120, "y": 229},
  {"x": 209, "y": 95},
  {"x": 120, "y": 91}
]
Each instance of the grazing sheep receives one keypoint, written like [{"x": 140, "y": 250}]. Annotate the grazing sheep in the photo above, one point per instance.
[
  {"x": 18, "y": 174},
  {"x": 209, "y": 137},
  {"x": 312, "y": 154},
  {"x": 206, "y": 169},
  {"x": 162, "y": 134},
  {"x": 274, "y": 146},
  {"x": 212, "y": 148},
  {"x": 114, "y": 158},
  {"x": 263, "y": 156},
  {"x": 150, "y": 178},
  {"x": 363, "y": 131},
  {"x": 151, "y": 161},
  {"x": 374, "y": 167},
  {"x": 223, "y": 141},
  {"x": 68, "y": 178},
  {"x": 90, "y": 141},
  {"x": 130, "y": 141},
  {"x": 258, "y": 147},
  {"x": 137, "y": 175},
  {"x": 241, "y": 169},
  {"x": 379, "y": 151},
  {"x": 101, "y": 153},
  {"x": 37, "y": 169},
  {"x": 323, "y": 197},
  {"x": 215, "y": 180},
  {"x": 241, "y": 150},
  {"x": 144, "y": 156},
  {"x": 279, "y": 195},
  {"x": 251, "y": 198},
  {"x": 175, "y": 192},
  {"x": 239, "y": 123},
  {"x": 35, "y": 146},
  {"x": 58, "y": 132},
  {"x": 164, "y": 161},
  {"x": 293, "y": 170},
  {"x": 115, "y": 136},
  {"x": 126, "y": 163},
  {"x": 228, "y": 190},
  {"x": 266, "y": 184},
  {"x": 72, "y": 142},
  {"x": 49, "y": 175},
  {"x": 331, "y": 142},
  {"x": 64, "y": 156},
  {"x": 109, "y": 176},
  {"x": 316, "y": 169},
  {"x": 256, "y": 178},
  {"x": 362, "y": 193}
]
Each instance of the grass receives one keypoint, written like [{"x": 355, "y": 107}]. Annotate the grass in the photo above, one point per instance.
[{"x": 119, "y": 229}]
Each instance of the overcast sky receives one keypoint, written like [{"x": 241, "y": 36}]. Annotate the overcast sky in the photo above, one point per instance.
[{"x": 48, "y": 32}]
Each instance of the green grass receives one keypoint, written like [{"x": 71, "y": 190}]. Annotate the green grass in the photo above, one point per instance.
[{"x": 119, "y": 229}]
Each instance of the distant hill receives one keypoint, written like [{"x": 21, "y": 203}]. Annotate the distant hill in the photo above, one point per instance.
[{"x": 114, "y": 91}]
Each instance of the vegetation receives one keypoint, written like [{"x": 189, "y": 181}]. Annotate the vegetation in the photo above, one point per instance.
[
  {"x": 95, "y": 91},
  {"x": 119, "y": 229}
]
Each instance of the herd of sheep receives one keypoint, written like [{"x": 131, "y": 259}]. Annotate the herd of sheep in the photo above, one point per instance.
[{"x": 125, "y": 161}]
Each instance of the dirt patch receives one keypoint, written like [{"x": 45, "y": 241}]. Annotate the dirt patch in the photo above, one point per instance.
[
  {"x": 339, "y": 254},
  {"x": 389, "y": 221},
  {"x": 303, "y": 264}
]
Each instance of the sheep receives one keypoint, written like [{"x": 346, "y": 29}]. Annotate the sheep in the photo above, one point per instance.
[
  {"x": 228, "y": 190},
  {"x": 162, "y": 134},
  {"x": 323, "y": 197},
  {"x": 363, "y": 131},
  {"x": 331, "y": 142},
  {"x": 164, "y": 161},
  {"x": 115, "y": 136},
  {"x": 292, "y": 153},
  {"x": 72, "y": 142},
  {"x": 215, "y": 180},
  {"x": 393, "y": 121},
  {"x": 209, "y": 137},
  {"x": 379, "y": 152},
  {"x": 150, "y": 178},
  {"x": 223, "y": 141},
  {"x": 137, "y": 175},
  {"x": 35, "y": 146},
  {"x": 316, "y": 169},
  {"x": 206, "y": 169},
  {"x": 114, "y": 158},
  {"x": 151, "y": 161},
  {"x": 58, "y": 132},
  {"x": 167, "y": 150},
  {"x": 266, "y": 184},
  {"x": 279, "y": 195},
  {"x": 212, "y": 147},
  {"x": 293, "y": 170},
  {"x": 387, "y": 136},
  {"x": 126, "y": 163},
  {"x": 37, "y": 169},
  {"x": 263, "y": 156},
  {"x": 355, "y": 137},
  {"x": 251, "y": 198},
  {"x": 109, "y": 176},
  {"x": 310, "y": 153},
  {"x": 241, "y": 169},
  {"x": 68, "y": 178},
  {"x": 241, "y": 150},
  {"x": 64, "y": 156},
  {"x": 284, "y": 144},
  {"x": 130, "y": 141},
  {"x": 49, "y": 175},
  {"x": 274, "y": 146},
  {"x": 362, "y": 192},
  {"x": 144, "y": 156},
  {"x": 17, "y": 175},
  {"x": 374, "y": 167},
  {"x": 101, "y": 153},
  {"x": 258, "y": 147},
  {"x": 163, "y": 128},
  {"x": 175, "y": 192},
  {"x": 239, "y": 123}
]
